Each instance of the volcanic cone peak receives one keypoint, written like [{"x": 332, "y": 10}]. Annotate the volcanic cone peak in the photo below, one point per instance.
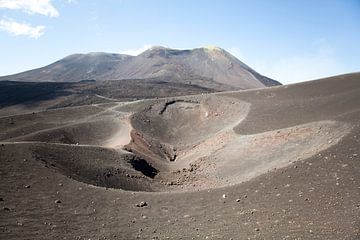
[{"x": 209, "y": 67}]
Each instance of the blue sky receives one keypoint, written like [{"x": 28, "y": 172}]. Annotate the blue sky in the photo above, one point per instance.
[{"x": 290, "y": 41}]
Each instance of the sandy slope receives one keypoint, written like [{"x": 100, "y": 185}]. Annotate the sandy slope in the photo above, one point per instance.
[{"x": 277, "y": 163}]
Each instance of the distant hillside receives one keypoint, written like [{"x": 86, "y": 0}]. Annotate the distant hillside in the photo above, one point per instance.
[{"x": 209, "y": 67}]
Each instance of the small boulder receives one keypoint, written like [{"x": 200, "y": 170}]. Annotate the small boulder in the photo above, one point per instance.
[{"x": 141, "y": 204}]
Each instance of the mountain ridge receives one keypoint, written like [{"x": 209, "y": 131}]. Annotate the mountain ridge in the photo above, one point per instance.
[{"x": 212, "y": 64}]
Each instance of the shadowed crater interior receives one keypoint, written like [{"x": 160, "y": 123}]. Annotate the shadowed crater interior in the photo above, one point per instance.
[{"x": 144, "y": 167}]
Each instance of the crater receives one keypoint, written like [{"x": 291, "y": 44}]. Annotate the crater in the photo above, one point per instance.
[{"x": 178, "y": 144}]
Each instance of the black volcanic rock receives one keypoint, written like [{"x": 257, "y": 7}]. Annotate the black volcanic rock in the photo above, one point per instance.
[{"x": 205, "y": 67}]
